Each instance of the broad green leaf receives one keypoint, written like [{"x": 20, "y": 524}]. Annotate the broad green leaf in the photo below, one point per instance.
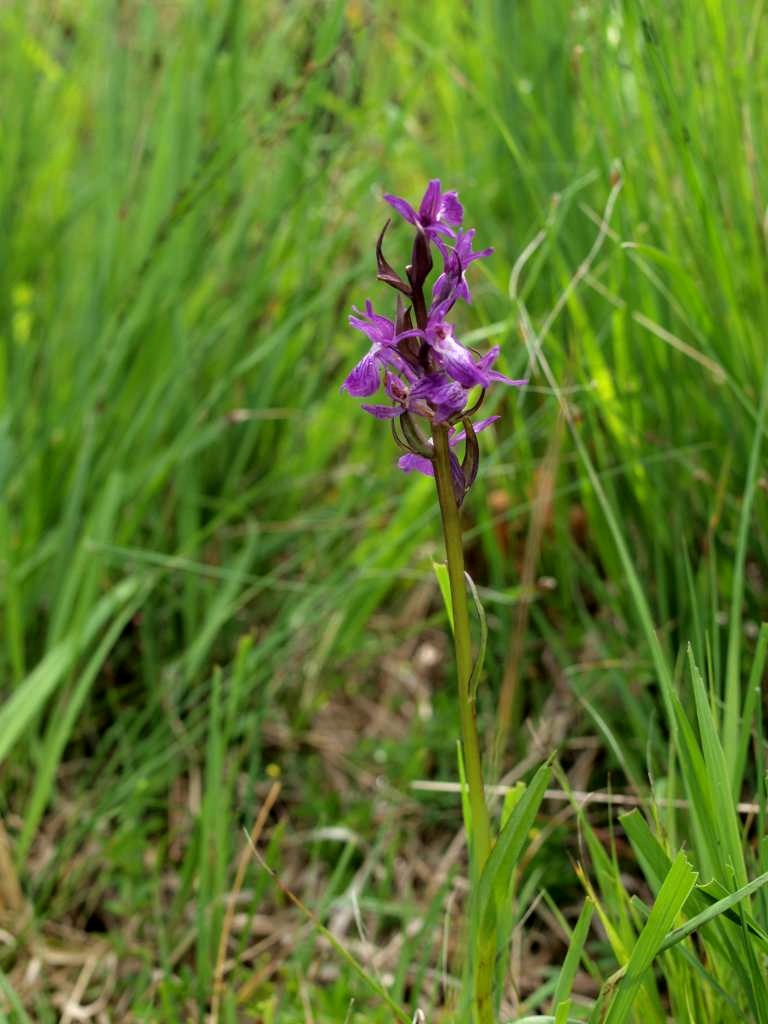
[{"x": 441, "y": 572}]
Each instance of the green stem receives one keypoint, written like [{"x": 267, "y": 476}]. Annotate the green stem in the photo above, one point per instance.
[{"x": 480, "y": 838}]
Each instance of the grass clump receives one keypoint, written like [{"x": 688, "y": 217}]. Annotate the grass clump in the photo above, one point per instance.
[{"x": 211, "y": 576}]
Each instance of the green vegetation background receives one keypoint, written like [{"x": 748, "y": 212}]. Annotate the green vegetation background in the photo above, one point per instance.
[{"x": 212, "y": 572}]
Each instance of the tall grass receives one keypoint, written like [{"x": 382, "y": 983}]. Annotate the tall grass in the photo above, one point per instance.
[{"x": 198, "y": 539}]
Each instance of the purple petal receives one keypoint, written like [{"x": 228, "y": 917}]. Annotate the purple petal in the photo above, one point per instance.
[
  {"x": 433, "y": 230},
  {"x": 441, "y": 289},
  {"x": 444, "y": 288},
  {"x": 462, "y": 290},
  {"x": 384, "y": 412},
  {"x": 487, "y": 361},
  {"x": 439, "y": 310},
  {"x": 403, "y": 208},
  {"x": 481, "y": 254},
  {"x": 478, "y": 428},
  {"x": 494, "y": 375},
  {"x": 379, "y": 329},
  {"x": 389, "y": 356},
  {"x": 455, "y": 359},
  {"x": 482, "y": 425},
  {"x": 364, "y": 379},
  {"x": 451, "y": 211},
  {"x": 464, "y": 248},
  {"x": 415, "y": 332},
  {"x": 430, "y": 204},
  {"x": 418, "y": 463},
  {"x": 440, "y": 390},
  {"x": 443, "y": 413},
  {"x": 395, "y": 388}
]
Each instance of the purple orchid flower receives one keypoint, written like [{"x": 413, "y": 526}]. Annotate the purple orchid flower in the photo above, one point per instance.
[
  {"x": 457, "y": 360},
  {"x": 427, "y": 372},
  {"x": 453, "y": 281},
  {"x": 439, "y": 212},
  {"x": 434, "y": 396},
  {"x": 399, "y": 394},
  {"x": 411, "y": 462},
  {"x": 451, "y": 355},
  {"x": 364, "y": 378},
  {"x": 438, "y": 397}
]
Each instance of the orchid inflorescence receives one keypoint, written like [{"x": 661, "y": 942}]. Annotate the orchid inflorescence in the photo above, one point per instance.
[{"x": 426, "y": 371}]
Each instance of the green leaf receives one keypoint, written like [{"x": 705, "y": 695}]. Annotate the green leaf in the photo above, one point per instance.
[
  {"x": 441, "y": 572},
  {"x": 655, "y": 864},
  {"x": 732, "y": 717},
  {"x": 511, "y": 800},
  {"x": 674, "y": 892},
  {"x": 12, "y": 996},
  {"x": 720, "y": 907},
  {"x": 477, "y": 668},
  {"x": 497, "y": 874},
  {"x": 31, "y": 695},
  {"x": 571, "y": 963},
  {"x": 722, "y": 810}
]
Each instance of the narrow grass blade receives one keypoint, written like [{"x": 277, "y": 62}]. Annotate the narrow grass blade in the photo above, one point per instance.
[
  {"x": 31, "y": 695},
  {"x": 441, "y": 572},
  {"x": 497, "y": 874},
  {"x": 722, "y": 813},
  {"x": 732, "y": 716},
  {"x": 477, "y": 667},
  {"x": 12, "y": 996},
  {"x": 572, "y": 958},
  {"x": 655, "y": 864},
  {"x": 61, "y": 726},
  {"x": 721, "y": 907},
  {"x": 674, "y": 892},
  {"x": 342, "y": 951},
  {"x": 751, "y": 701}
]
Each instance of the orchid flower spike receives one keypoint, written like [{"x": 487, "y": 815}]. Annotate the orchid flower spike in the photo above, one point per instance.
[{"x": 425, "y": 370}]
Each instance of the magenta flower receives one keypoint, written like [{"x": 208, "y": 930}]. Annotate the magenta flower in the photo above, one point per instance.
[
  {"x": 452, "y": 357},
  {"x": 434, "y": 396},
  {"x": 458, "y": 363},
  {"x": 439, "y": 212},
  {"x": 426, "y": 372},
  {"x": 453, "y": 281},
  {"x": 364, "y": 378}
]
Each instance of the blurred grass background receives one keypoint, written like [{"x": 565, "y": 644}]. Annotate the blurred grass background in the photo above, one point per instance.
[{"x": 213, "y": 574}]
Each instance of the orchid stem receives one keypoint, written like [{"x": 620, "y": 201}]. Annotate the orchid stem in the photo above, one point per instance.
[{"x": 480, "y": 836}]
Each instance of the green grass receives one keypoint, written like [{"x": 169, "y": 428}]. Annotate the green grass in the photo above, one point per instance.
[{"x": 211, "y": 572}]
